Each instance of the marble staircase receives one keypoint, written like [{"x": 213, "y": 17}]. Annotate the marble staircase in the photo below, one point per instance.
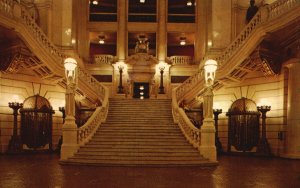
[{"x": 139, "y": 133}]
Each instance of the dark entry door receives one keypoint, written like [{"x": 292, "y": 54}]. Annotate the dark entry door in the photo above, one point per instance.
[{"x": 141, "y": 90}]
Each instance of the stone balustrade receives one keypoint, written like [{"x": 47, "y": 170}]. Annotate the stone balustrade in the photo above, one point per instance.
[
  {"x": 103, "y": 59},
  {"x": 181, "y": 60}
]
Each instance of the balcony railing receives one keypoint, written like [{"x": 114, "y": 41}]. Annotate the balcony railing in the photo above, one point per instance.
[
  {"x": 181, "y": 60},
  {"x": 103, "y": 59}
]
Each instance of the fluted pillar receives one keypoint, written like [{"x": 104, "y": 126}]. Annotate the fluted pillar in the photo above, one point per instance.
[
  {"x": 162, "y": 31},
  {"x": 292, "y": 147},
  {"x": 202, "y": 27},
  {"x": 121, "y": 35}
]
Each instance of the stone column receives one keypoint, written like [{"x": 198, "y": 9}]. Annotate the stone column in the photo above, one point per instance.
[
  {"x": 69, "y": 129},
  {"x": 80, "y": 33},
  {"x": 207, "y": 145},
  {"x": 162, "y": 45},
  {"x": 162, "y": 31},
  {"x": 122, "y": 31},
  {"x": 201, "y": 29},
  {"x": 292, "y": 148}
]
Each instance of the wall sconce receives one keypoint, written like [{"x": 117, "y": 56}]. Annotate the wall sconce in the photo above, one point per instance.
[
  {"x": 70, "y": 65},
  {"x": 182, "y": 41},
  {"x": 210, "y": 68},
  {"x": 189, "y": 3},
  {"x": 101, "y": 39},
  {"x": 161, "y": 87},
  {"x": 142, "y": 87}
]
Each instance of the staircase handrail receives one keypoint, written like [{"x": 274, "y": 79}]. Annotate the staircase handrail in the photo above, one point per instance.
[
  {"x": 87, "y": 131},
  {"x": 265, "y": 14},
  {"x": 191, "y": 133}
]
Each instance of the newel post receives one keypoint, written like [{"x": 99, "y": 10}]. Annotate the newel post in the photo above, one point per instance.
[
  {"x": 69, "y": 129},
  {"x": 207, "y": 144}
]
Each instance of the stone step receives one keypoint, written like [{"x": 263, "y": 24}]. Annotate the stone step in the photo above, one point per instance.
[
  {"x": 126, "y": 154},
  {"x": 136, "y": 142},
  {"x": 132, "y": 130},
  {"x": 152, "y": 163},
  {"x": 138, "y": 147},
  {"x": 138, "y": 158},
  {"x": 134, "y": 135},
  {"x": 137, "y": 139},
  {"x": 141, "y": 150}
]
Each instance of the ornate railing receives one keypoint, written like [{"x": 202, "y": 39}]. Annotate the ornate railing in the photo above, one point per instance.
[
  {"x": 6, "y": 6},
  {"x": 86, "y": 132},
  {"x": 181, "y": 60},
  {"x": 191, "y": 133},
  {"x": 19, "y": 14},
  {"x": 265, "y": 14},
  {"x": 103, "y": 59}
]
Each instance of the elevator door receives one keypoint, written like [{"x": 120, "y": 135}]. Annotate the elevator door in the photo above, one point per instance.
[{"x": 141, "y": 90}]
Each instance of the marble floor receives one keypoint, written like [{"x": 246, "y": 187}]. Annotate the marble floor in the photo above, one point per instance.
[{"x": 43, "y": 170}]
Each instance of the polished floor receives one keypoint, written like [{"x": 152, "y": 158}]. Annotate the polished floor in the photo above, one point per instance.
[{"x": 43, "y": 170}]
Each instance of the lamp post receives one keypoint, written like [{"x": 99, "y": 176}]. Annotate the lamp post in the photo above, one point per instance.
[
  {"x": 15, "y": 143},
  {"x": 120, "y": 87},
  {"x": 69, "y": 145},
  {"x": 161, "y": 86},
  {"x": 63, "y": 111},
  {"x": 207, "y": 145},
  {"x": 216, "y": 118},
  {"x": 263, "y": 148}
]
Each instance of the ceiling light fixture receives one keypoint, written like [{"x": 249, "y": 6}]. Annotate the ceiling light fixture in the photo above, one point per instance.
[
  {"x": 142, "y": 1},
  {"x": 95, "y": 2},
  {"x": 189, "y": 3},
  {"x": 101, "y": 40},
  {"x": 182, "y": 41}
]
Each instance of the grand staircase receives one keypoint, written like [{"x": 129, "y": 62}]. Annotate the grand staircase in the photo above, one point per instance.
[{"x": 139, "y": 132}]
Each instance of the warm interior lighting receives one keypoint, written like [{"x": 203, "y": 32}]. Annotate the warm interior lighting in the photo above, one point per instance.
[
  {"x": 141, "y": 97},
  {"x": 70, "y": 65},
  {"x": 189, "y": 3},
  {"x": 142, "y": 1},
  {"x": 101, "y": 39},
  {"x": 141, "y": 93},
  {"x": 142, "y": 88},
  {"x": 182, "y": 41},
  {"x": 95, "y": 2},
  {"x": 210, "y": 68}
]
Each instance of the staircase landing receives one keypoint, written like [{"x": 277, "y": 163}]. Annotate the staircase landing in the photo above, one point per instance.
[{"x": 139, "y": 133}]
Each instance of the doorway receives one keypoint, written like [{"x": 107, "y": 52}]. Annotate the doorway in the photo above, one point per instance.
[{"x": 141, "y": 90}]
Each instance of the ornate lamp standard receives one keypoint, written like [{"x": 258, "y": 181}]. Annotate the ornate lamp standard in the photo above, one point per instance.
[
  {"x": 216, "y": 118},
  {"x": 207, "y": 145},
  {"x": 263, "y": 147},
  {"x": 70, "y": 146},
  {"x": 15, "y": 143},
  {"x": 161, "y": 86},
  {"x": 120, "y": 87}
]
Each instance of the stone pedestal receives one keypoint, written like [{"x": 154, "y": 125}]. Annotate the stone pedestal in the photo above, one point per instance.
[
  {"x": 207, "y": 145},
  {"x": 69, "y": 146}
]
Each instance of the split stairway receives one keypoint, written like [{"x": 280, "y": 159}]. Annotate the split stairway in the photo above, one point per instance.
[{"x": 139, "y": 133}]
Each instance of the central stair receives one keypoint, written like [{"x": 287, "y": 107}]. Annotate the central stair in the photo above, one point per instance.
[{"x": 139, "y": 132}]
